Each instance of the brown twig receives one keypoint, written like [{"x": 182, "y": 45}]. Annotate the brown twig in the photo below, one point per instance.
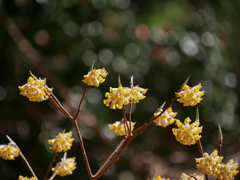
[
  {"x": 81, "y": 101},
  {"x": 200, "y": 150},
  {"x": 125, "y": 120},
  {"x": 50, "y": 165},
  {"x": 83, "y": 149},
  {"x": 55, "y": 173},
  {"x": 27, "y": 164},
  {"x": 220, "y": 140}
]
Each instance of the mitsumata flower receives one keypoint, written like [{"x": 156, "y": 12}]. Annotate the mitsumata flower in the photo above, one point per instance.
[
  {"x": 120, "y": 128},
  {"x": 9, "y": 152},
  {"x": 62, "y": 142},
  {"x": 227, "y": 171},
  {"x": 65, "y": 167},
  {"x": 95, "y": 77},
  {"x": 35, "y": 89},
  {"x": 209, "y": 164},
  {"x": 190, "y": 96},
  {"x": 123, "y": 95},
  {"x": 187, "y": 134},
  {"x": 160, "y": 178},
  {"x": 166, "y": 118},
  {"x": 193, "y": 177},
  {"x": 26, "y": 178}
]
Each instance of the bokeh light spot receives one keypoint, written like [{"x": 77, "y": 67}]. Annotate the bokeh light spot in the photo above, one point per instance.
[
  {"x": 188, "y": 46},
  {"x": 94, "y": 96},
  {"x": 142, "y": 32},
  {"x": 95, "y": 28},
  {"x": 131, "y": 50},
  {"x": 119, "y": 64},
  {"x": 88, "y": 57},
  {"x": 105, "y": 56},
  {"x": 42, "y": 38},
  {"x": 173, "y": 58}
]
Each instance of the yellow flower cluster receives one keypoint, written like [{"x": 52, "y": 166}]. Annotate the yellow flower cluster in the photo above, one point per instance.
[
  {"x": 160, "y": 178},
  {"x": 26, "y": 178},
  {"x": 62, "y": 142},
  {"x": 227, "y": 171},
  {"x": 166, "y": 118},
  {"x": 65, "y": 167},
  {"x": 123, "y": 95},
  {"x": 120, "y": 128},
  {"x": 186, "y": 177},
  {"x": 9, "y": 152},
  {"x": 35, "y": 90},
  {"x": 187, "y": 134},
  {"x": 190, "y": 96},
  {"x": 95, "y": 77},
  {"x": 209, "y": 164}
]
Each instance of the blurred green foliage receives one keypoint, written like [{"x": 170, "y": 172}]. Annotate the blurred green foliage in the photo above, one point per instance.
[{"x": 159, "y": 43}]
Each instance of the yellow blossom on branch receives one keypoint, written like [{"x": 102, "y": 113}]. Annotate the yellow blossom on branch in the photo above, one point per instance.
[
  {"x": 95, "y": 77},
  {"x": 26, "y": 178},
  {"x": 62, "y": 142},
  {"x": 120, "y": 128},
  {"x": 209, "y": 164},
  {"x": 35, "y": 89},
  {"x": 227, "y": 171},
  {"x": 166, "y": 118},
  {"x": 65, "y": 167},
  {"x": 9, "y": 152},
  {"x": 187, "y": 134},
  {"x": 190, "y": 96},
  {"x": 117, "y": 97},
  {"x": 160, "y": 178},
  {"x": 193, "y": 177}
]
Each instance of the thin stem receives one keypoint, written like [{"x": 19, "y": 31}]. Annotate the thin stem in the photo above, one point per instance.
[
  {"x": 83, "y": 149},
  {"x": 50, "y": 165},
  {"x": 130, "y": 114},
  {"x": 55, "y": 173},
  {"x": 56, "y": 102},
  {"x": 125, "y": 120},
  {"x": 200, "y": 149},
  {"x": 117, "y": 155},
  {"x": 220, "y": 142},
  {"x": 26, "y": 162},
  {"x": 111, "y": 156},
  {"x": 80, "y": 103}
]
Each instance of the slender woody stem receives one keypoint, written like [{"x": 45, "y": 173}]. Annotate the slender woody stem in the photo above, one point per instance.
[
  {"x": 125, "y": 120},
  {"x": 56, "y": 102},
  {"x": 55, "y": 173},
  {"x": 83, "y": 149},
  {"x": 111, "y": 156},
  {"x": 26, "y": 162},
  {"x": 200, "y": 149},
  {"x": 50, "y": 165},
  {"x": 130, "y": 114},
  {"x": 117, "y": 155},
  {"x": 80, "y": 103}
]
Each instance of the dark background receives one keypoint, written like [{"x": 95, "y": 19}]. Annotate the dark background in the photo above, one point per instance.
[{"x": 159, "y": 43}]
